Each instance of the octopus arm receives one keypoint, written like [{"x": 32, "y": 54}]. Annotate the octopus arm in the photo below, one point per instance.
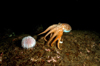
[
  {"x": 55, "y": 33},
  {"x": 50, "y": 32},
  {"x": 49, "y": 28},
  {"x": 58, "y": 43},
  {"x": 58, "y": 38}
]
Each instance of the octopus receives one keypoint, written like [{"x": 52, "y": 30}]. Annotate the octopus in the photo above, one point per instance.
[{"x": 56, "y": 31}]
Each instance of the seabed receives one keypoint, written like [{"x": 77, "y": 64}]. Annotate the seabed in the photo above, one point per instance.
[{"x": 79, "y": 48}]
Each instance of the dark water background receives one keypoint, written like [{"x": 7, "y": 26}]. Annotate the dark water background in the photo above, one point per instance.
[{"x": 82, "y": 15}]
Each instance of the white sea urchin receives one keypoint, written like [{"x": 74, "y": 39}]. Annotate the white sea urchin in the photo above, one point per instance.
[{"x": 28, "y": 42}]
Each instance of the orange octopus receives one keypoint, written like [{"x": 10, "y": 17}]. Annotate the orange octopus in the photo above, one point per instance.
[{"x": 57, "y": 31}]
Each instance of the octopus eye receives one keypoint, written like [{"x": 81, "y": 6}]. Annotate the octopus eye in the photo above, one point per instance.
[{"x": 68, "y": 28}]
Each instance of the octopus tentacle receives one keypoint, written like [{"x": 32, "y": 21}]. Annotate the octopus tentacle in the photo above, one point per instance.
[
  {"x": 49, "y": 28},
  {"x": 57, "y": 38},
  {"x": 53, "y": 30},
  {"x": 55, "y": 33},
  {"x": 58, "y": 43}
]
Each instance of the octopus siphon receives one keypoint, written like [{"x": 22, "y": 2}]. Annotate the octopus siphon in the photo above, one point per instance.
[{"x": 56, "y": 32}]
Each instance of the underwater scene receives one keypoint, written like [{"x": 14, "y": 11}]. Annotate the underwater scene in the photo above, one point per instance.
[
  {"x": 58, "y": 45},
  {"x": 50, "y": 33}
]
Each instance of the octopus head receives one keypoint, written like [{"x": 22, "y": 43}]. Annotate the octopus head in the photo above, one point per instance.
[{"x": 66, "y": 27}]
